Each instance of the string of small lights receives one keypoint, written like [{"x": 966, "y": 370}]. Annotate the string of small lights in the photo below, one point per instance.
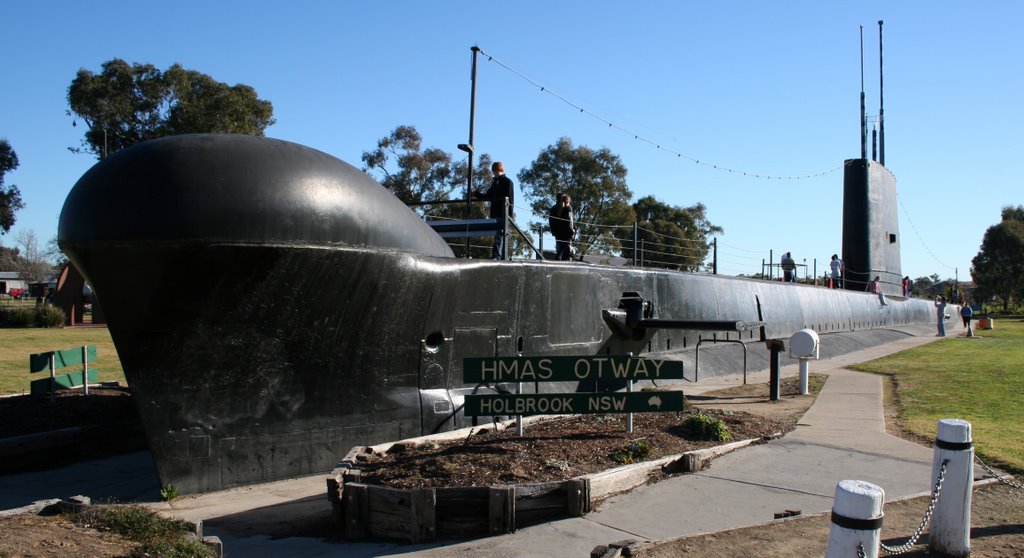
[{"x": 638, "y": 137}]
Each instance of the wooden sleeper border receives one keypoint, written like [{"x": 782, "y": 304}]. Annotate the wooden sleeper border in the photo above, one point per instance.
[{"x": 366, "y": 511}]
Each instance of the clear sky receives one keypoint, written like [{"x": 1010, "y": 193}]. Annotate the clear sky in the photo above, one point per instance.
[{"x": 766, "y": 88}]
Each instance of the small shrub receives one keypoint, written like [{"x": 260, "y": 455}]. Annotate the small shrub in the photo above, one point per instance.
[
  {"x": 168, "y": 493},
  {"x": 557, "y": 464},
  {"x": 637, "y": 450},
  {"x": 47, "y": 315},
  {"x": 156, "y": 535},
  {"x": 17, "y": 316},
  {"x": 706, "y": 427}
]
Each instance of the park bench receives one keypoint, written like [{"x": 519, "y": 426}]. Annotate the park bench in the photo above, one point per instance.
[{"x": 54, "y": 361}]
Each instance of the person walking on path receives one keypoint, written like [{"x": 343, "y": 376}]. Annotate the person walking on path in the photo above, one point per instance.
[
  {"x": 837, "y": 266},
  {"x": 563, "y": 227},
  {"x": 940, "y": 314},
  {"x": 501, "y": 189},
  {"x": 906, "y": 285},
  {"x": 966, "y": 312}
]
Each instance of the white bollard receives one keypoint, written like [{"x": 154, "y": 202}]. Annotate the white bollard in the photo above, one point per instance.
[
  {"x": 856, "y": 520},
  {"x": 950, "y": 533}
]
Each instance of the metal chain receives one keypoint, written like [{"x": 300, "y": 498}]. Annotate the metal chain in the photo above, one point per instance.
[
  {"x": 1005, "y": 480},
  {"x": 927, "y": 515},
  {"x": 860, "y": 550}
]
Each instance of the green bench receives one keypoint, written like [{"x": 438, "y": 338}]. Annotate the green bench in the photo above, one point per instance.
[{"x": 54, "y": 361}]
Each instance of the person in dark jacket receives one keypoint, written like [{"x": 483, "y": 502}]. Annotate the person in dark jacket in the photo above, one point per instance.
[
  {"x": 500, "y": 190},
  {"x": 563, "y": 226}
]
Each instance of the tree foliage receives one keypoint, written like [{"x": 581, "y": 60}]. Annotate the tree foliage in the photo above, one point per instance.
[
  {"x": 925, "y": 286},
  {"x": 673, "y": 237},
  {"x": 416, "y": 175},
  {"x": 127, "y": 104},
  {"x": 997, "y": 269},
  {"x": 10, "y": 196},
  {"x": 596, "y": 182},
  {"x": 413, "y": 174}
]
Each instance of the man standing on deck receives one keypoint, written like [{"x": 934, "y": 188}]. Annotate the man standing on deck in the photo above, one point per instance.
[{"x": 500, "y": 190}]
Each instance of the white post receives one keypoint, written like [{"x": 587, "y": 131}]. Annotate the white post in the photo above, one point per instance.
[
  {"x": 950, "y": 533},
  {"x": 856, "y": 520},
  {"x": 519, "y": 418},
  {"x": 629, "y": 416},
  {"x": 629, "y": 389},
  {"x": 85, "y": 369},
  {"x": 519, "y": 385},
  {"x": 53, "y": 375},
  {"x": 804, "y": 388}
]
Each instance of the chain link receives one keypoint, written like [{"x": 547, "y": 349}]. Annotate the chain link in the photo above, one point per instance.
[
  {"x": 927, "y": 515},
  {"x": 999, "y": 477},
  {"x": 860, "y": 551}
]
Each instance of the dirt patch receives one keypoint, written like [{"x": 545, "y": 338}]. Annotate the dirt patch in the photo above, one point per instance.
[
  {"x": 566, "y": 447},
  {"x": 555, "y": 449},
  {"x": 57, "y": 537}
]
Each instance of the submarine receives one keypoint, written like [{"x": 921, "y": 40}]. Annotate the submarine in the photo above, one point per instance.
[{"x": 274, "y": 306}]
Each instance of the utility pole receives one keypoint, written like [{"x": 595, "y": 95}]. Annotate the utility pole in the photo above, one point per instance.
[{"x": 468, "y": 147}]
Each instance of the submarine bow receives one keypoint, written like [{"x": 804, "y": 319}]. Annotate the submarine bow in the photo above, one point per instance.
[{"x": 252, "y": 286}]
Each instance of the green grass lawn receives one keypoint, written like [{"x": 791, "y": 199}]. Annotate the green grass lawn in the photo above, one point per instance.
[
  {"x": 979, "y": 379},
  {"x": 16, "y": 344}
]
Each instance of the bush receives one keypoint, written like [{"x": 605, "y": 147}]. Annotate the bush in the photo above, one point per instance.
[
  {"x": 637, "y": 450},
  {"x": 156, "y": 535},
  {"x": 47, "y": 315},
  {"x": 17, "y": 316},
  {"x": 706, "y": 427},
  {"x": 27, "y": 315}
]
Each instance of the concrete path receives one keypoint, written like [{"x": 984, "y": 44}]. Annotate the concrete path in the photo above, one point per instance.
[{"x": 842, "y": 436}]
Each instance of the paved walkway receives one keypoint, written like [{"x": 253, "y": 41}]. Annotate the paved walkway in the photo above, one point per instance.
[{"x": 842, "y": 436}]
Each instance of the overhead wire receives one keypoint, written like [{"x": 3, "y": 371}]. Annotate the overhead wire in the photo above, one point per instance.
[{"x": 636, "y": 136}]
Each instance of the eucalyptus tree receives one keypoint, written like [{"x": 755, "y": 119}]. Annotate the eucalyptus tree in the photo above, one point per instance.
[
  {"x": 126, "y": 104},
  {"x": 596, "y": 182}
]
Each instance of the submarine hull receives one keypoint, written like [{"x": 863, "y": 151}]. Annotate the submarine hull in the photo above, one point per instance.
[{"x": 279, "y": 307}]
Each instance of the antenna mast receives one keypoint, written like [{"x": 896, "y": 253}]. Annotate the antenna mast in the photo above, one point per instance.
[
  {"x": 863, "y": 113},
  {"x": 881, "y": 104}
]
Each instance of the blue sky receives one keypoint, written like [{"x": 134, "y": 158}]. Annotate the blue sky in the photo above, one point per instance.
[{"x": 769, "y": 88}]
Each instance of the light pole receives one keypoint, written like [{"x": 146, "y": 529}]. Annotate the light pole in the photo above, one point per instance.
[{"x": 468, "y": 147}]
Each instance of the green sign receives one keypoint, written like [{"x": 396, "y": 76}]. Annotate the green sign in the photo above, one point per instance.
[
  {"x": 567, "y": 369},
  {"x": 573, "y": 403}
]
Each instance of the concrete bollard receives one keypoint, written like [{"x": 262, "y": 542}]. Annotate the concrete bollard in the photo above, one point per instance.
[
  {"x": 856, "y": 520},
  {"x": 804, "y": 345},
  {"x": 950, "y": 533}
]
